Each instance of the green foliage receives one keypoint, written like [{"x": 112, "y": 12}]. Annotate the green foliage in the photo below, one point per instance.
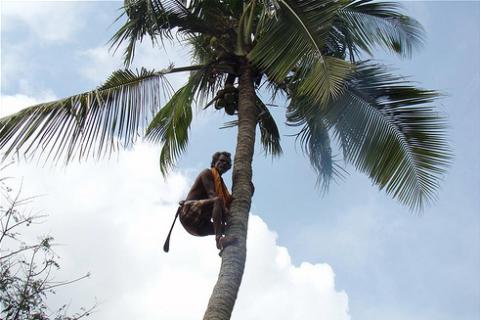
[
  {"x": 292, "y": 40},
  {"x": 91, "y": 124},
  {"x": 309, "y": 50},
  {"x": 387, "y": 129},
  {"x": 314, "y": 138},
  {"x": 155, "y": 19},
  {"x": 366, "y": 24},
  {"x": 269, "y": 134},
  {"x": 171, "y": 124}
]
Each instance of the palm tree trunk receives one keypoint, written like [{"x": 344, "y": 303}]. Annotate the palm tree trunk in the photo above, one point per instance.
[{"x": 225, "y": 291}]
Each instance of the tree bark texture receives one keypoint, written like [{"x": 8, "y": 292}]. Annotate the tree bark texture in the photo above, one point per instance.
[{"x": 226, "y": 289}]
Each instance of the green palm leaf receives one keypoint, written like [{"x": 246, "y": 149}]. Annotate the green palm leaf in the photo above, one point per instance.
[
  {"x": 201, "y": 50},
  {"x": 91, "y": 124},
  {"x": 316, "y": 141},
  {"x": 322, "y": 80},
  {"x": 171, "y": 124},
  {"x": 365, "y": 24},
  {"x": 386, "y": 130},
  {"x": 293, "y": 39},
  {"x": 269, "y": 134},
  {"x": 314, "y": 138},
  {"x": 157, "y": 19}
]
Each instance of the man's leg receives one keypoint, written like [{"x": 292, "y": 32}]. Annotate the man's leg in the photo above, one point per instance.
[
  {"x": 196, "y": 217},
  {"x": 219, "y": 220},
  {"x": 217, "y": 217},
  {"x": 200, "y": 213}
]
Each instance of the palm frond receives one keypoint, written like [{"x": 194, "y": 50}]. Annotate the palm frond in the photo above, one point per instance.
[
  {"x": 91, "y": 124},
  {"x": 212, "y": 79},
  {"x": 294, "y": 39},
  {"x": 201, "y": 50},
  {"x": 291, "y": 32},
  {"x": 157, "y": 19},
  {"x": 322, "y": 80},
  {"x": 314, "y": 138},
  {"x": 216, "y": 13},
  {"x": 387, "y": 130},
  {"x": 365, "y": 24},
  {"x": 316, "y": 142},
  {"x": 269, "y": 134},
  {"x": 229, "y": 124},
  {"x": 171, "y": 124}
]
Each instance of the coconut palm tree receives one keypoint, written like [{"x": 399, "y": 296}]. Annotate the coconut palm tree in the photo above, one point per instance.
[{"x": 310, "y": 51}]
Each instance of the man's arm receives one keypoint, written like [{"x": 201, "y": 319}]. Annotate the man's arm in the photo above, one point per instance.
[{"x": 207, "y": 181}]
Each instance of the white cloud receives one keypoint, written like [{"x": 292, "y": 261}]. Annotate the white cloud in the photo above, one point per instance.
[
  {"x": 274, "y": 286},
  {"x": 112, "y": 218},
  {"x": 100, "y": 62},
  {"x": 13, "y": 103},
  {"x": 58, "y": 21}
]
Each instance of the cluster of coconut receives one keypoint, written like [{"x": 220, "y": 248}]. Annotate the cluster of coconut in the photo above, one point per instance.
[{"x": 227, "y": 98}]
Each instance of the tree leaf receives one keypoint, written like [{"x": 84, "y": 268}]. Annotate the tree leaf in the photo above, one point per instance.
[
  {"x": 156, "y": 19},
  {"x": 293, "y": 40},
  {"x": 91, "y": 124},
  {"x": 171, "y": 124},
  {"x": 366, "y": 24},
  {"x": 387, "y": 130},
  {"x": 269, "y": 134},
  {"x": 314, "y": 138}
]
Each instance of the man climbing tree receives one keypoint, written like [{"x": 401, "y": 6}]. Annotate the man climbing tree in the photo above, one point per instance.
[
  {"x": 310, "y": 51},
  {"x": 205, "y": 210}
]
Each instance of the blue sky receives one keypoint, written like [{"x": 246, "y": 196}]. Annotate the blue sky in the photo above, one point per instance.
[{"x": 391, "y": 263}]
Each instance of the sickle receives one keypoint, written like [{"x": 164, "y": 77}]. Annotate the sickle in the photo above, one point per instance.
[{"x": 166, "y": 245}]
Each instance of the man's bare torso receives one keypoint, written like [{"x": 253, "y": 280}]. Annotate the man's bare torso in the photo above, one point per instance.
[{"x": 203, "y": 187}]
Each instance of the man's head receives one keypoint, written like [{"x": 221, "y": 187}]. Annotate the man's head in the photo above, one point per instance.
[{"x": 222, "y": 161}]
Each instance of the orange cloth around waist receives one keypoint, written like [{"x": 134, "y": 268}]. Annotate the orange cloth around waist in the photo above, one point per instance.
[{"x": 220, "y": 188}]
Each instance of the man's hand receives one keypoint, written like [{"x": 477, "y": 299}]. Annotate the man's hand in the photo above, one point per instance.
[{"x": 226, "y": 211}]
